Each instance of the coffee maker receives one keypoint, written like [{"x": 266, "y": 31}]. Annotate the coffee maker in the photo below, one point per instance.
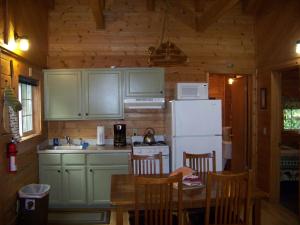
[{"x": 119, "y": 134}]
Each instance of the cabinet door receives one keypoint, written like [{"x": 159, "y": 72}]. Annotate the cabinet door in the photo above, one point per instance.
[
  {"x": 103, "y": 94},
  {"x": 99, "y": 179},
  {"x": 74, "y": 185},
  {"x": 62, "y": 94},
  {"x": 147, "y": 82},
  {"x": 52, "y": 175}
]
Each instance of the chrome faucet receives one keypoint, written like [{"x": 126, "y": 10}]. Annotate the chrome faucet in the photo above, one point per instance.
[{"x": 68, "y": 139}]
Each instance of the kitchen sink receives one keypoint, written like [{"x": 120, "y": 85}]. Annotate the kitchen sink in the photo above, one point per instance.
[{"x": 68, "y": 147}]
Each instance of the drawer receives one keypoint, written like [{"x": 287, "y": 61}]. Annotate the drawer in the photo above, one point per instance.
[
  {"x": 107, "y": 159},
  {"x": 73, "y": 159},
  {"x": 49, "y": 159}
]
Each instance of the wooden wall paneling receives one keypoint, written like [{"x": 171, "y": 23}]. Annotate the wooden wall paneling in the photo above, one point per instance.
[
  {"x": 98, "y": 7},
  {"x": 275, "y": 52},
  {"x": 151, "y": 5}
]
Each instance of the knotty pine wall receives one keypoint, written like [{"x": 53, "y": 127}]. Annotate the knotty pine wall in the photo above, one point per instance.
[
  {"x": 28, "y": 18},
  {"x": 74, "y": 42},
  {"x": 276, "y": 31}
]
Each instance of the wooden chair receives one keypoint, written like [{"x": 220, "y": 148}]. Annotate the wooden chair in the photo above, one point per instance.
[
  {"x": 228, "y": 198},
  {"x": 156, "y": 199},
  {"x": 202, "y": 163},
  {"x": 146, "y": 164}
]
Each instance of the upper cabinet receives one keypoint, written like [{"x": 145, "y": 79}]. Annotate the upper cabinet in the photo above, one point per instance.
[
  {"x": 103, "y": 94},
  {"x": 63, "y": 94},
  {"x": 144, "y": 82},
  {"x": 83, "y": 94},
  {"x": 78, "y": 94}
]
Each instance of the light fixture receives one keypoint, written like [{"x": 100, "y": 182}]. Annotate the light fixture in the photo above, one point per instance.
[
  {"x": 298, "y": 47},
  {"x": 230, "y": 80},
  {"x": 167, "y": 53},
  {"x": 22, "y": 42}
]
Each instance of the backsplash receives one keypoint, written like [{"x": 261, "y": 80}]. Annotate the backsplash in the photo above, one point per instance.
[{"x": 136, "y": 122}]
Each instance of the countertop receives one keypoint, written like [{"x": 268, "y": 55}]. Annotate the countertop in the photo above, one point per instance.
[{"x": 90, "y": 149}]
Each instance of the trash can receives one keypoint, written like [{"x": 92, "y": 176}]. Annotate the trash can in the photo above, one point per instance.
[{"x": 33, "y": 207}]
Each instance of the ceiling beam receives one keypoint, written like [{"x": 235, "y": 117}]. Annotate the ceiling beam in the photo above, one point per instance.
[
  {"x": 151, "y": 5},
  {"x": 50, "y": 4},
  {"x": 212, "y": 14},
  {"x": 97, "y": 7},
  {"x": 251, "y": 6},
  {"x": 199, "y": 8},
  {"x": 199, "y": 5}
]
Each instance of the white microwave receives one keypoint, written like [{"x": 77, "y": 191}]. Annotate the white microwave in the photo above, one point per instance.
[{"x": 192, "y": 91}]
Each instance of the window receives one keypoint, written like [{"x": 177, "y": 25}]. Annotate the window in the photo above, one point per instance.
[
  {"x": 291, "y": 119},
  {"x": 29, "y": 119},
  {"x": 26, "y": 114},
  {"x": 291, "y": 114}
]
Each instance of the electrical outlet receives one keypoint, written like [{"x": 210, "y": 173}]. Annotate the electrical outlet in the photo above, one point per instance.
[{"x": 135, "y": 131}]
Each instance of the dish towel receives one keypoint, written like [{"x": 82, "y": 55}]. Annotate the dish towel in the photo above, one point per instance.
[{"x": 14, "y": 106}]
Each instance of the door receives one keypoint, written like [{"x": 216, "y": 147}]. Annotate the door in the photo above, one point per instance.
[
  {"x": 239, "y": 105},
  {"x": 103, "y": 94},
  {"x": 196, "y": 145},
  {"x": 145, "y": 82},
  {"x": 99, "y": 179},
  {"x": 74, "y": 185},
  {"x": 52, "y": 175},
  {"x": 62, "y": 94},
  {"x": 197, "y": 118}
]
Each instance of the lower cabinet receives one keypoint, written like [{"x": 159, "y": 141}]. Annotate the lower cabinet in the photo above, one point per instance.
[{"x": 80, "y": 180}]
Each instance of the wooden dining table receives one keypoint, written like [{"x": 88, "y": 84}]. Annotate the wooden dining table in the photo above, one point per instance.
[{"x": 122, "y": 198}]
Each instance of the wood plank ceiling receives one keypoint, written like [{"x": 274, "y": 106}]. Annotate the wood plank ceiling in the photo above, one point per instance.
[{"x": 200, "y": 18}]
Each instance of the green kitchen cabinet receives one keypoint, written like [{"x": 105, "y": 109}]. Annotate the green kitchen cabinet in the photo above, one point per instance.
[
  {"x": 103, "y": 94},
  {"x": 144, "y": 82},
  {"x": 74, "y": 185},
  {"x": 80, "y": 179},
  {"x": 100, "y": 169},
  {"x": 62, "y": 95},
  {"x": 50, "y": 172},
  {"x": 52, "y": 175},
  {"x": 99, "y": 179}
]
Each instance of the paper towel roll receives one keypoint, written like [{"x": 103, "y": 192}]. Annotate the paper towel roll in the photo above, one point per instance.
[{"x": 100, "y": 135}]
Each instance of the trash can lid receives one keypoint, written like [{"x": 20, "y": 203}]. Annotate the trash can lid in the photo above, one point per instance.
[{"x": 34, "y": 191}]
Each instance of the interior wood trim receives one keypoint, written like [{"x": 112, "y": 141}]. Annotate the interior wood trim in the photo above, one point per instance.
[
  {"x": 19, "y": 58},
  {"x": 6, "y": 22},
  {"x": 97, "y": 7},
  {"x": 285, "y": 65},
  {"x": 275, "y": 132}
]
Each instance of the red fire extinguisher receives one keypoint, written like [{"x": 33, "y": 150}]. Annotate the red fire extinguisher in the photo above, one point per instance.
[{"x": 11, "y": 155}]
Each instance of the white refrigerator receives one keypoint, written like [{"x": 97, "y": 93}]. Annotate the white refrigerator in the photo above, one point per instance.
[{"x": 194, "y": 126}]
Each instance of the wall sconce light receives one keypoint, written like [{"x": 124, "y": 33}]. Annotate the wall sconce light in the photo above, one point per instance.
[
  {"x": 230, "y": 80},
  {"x": 298, "y": 47},
  {"x": 22, "y": 41}
]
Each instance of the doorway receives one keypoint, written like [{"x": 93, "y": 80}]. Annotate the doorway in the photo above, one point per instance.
[
  {"x": 286, "y": 136},
  {"x": 234, "y": 92}
]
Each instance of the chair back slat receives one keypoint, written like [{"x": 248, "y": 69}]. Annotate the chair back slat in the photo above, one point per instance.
[
  {"x": 228, "y": 198},
  {"x": 146, "y": 164},
  {"x": 154, "y": 195},
  {"x": 202, "y": 163}
]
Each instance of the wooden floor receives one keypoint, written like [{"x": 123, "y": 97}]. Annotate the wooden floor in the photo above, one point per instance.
[{"x": 272, "y": 214}]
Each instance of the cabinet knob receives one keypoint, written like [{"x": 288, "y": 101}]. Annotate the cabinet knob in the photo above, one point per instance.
[
  {"x": 161, "y": 92},
  {"x": 79, "y": 114},
  {"x": 86, "y": 114},
  {"x": 58, "y": 171},
  {"x": 91, "y": 170},
  {"x": 67, "y": 171}
]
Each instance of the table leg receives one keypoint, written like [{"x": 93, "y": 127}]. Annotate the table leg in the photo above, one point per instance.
[
  {"x": 119, "y": 216},
  {"x": 256, "y": 214}
]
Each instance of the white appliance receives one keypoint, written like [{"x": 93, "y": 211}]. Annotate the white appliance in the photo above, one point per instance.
[
  {"x": 194, "y": 126},
  {"x": 139, "y": 148},
  {"x": 144, "y": 103},
  {"x": 191, "y": 91},
  {"x": 100, "y": 135}
]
